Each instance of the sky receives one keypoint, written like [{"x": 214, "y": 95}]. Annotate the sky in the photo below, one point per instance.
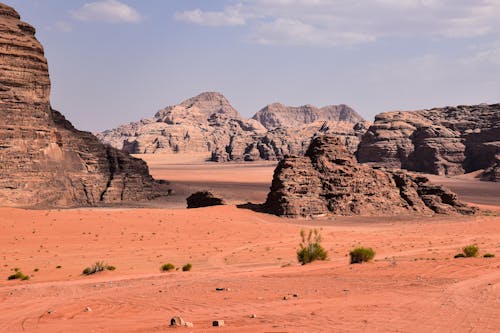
[{"x": 116, "y": 61}]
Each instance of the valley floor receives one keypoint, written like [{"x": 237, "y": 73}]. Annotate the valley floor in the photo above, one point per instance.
[{"x": 414, "y": 284}]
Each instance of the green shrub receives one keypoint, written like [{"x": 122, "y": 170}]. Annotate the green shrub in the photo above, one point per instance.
[
  {"x": 18, "y": 275},
  {"x": 99, "y": 266},
  {"x": 361, "y": 254},
  {"x": 470, "y": 251},
  {"x": 310, "y": 249},
  {"x": 459, "y": 255},
  {"x": 488, "y": 255},
  {"x": 110, "y": 268},
  {"x": 187, "y": 267},
  {"x": 167, "y": 267}
]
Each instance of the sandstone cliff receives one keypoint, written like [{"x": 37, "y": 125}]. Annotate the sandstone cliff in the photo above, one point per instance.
[
  {"x": 207, "y": 123},
  {"x": 44, "y": 160},
  {"x": 328, "y": 180},
  {"x": 449, "y": 141}
]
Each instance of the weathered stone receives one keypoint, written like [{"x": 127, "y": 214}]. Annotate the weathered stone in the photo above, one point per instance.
[
  {"x": 45, "y": 161},
  {"x": 203, "y": 199},
  {"x": 444, "y": 141},
  {"x": 177, "y": 321},
  {"x": 218, "y": 323},
  {"x": 277, "y": 115},
  {"x": 207, "y": 123},
  {"x": 328, "y": 180}
]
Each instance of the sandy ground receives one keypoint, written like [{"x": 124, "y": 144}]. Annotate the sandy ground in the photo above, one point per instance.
[{"x": 414, "y": 285}]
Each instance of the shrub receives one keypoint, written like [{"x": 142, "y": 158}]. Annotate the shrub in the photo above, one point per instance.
[
  {"x": 361, "y": 254},
  {"x": 471, "y": 250},
  {"x": 187, "y": 267},
  {"x": 310, "y": 249},
  {"x": 110, "y": 268},
  {"x": 459, "y": 255},
  {"x": 488, "y": 255},
  {"x": 167, "y": 267},
  {"x": 99, "y": 266},
  {"x": 18, "y": 275}
]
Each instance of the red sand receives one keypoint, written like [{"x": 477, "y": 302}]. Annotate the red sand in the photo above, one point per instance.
[{"x": 414, "y": 285}]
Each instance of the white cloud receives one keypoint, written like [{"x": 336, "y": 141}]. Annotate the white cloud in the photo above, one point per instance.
[
  {"x": 295, "y": 32},
  {"x": 341, "y": 22},
  {"x": 229, "y": 17},
  {"x": 111, "y": 11}
]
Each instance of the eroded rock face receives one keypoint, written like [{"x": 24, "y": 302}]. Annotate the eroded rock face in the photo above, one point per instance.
[
  {"x": 277, "y": 115},
  {"x": 328, "y": 180},
  {"x": 444, "y": 141},
  {"x": 207, "y": 123},
  {"x": 45, "y": 161}
]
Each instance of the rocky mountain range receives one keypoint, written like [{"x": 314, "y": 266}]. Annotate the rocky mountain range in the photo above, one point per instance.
[
  {"x": 443, "y": 141},
  {"x": 45, "y": 161},
  {"x": 328, "y": 180},
  {"x": 207, "y": 123}
]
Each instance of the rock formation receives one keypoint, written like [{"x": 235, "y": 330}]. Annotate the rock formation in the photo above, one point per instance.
[
  {"x": 277, "y": 115},
  {"x": 203, "y": 199},
  {"x": 444, "y": 141},
  {"x": 45, "y": 161},
  {"x": 207, "y": 123},
  {"x": 328, "y": 180}
]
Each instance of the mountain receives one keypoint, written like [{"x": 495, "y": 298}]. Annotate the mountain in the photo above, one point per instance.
[
  {"x": 277, "y": 115},
  {"x": 207, "y": 123},
  {"x": 45, "y": 161}
]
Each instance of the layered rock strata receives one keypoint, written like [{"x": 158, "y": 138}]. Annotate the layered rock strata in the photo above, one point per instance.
[
  {"x": 328, "y": 180},
  {"x": 207, "y": 123},
  {"x": 45, "y": 161},
  {"x": 443, "y": 141}
]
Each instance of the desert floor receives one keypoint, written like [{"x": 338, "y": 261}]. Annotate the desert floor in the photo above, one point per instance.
[{"x": 414, "y": 284}]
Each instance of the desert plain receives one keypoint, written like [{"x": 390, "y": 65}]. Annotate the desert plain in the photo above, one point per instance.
[{"x": 413, "y": 285}]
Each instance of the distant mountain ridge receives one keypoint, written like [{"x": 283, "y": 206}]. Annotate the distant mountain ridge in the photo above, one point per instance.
[{"x": 207, "y": 123}]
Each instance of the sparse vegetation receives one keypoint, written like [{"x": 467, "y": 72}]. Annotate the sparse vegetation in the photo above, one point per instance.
[
  {"x": 18, "y": 275},
  {"x": 470, "y": 251},
  {"x": 459, "y": 255},
  {"x": 361, "y": 254},
  {"x": 99, "y": 266},
  {"x": 488, "y": 255},
  {"x": 167, "y": 267},
  {"x": 310, "y": 247},
  {"x": 187, "y": 267}
]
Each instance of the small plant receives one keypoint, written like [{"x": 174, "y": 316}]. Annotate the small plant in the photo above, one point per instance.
[
  {"x": 99, "y": 266},
  {"x": 110, "y": 268},
  {"x": 459, "y": 255},
  {"x": 361, "y": 254},
  {"x": 36, "y": 270},
  {"x": 470, "y": 251},
  {"x": 18, "y": 275},
  {"x": 187, "y": 267},
  {"x": 310, "y": 249},
  {"x": 167, "y": 267},
  {"x": 489, "y": 255},
  {"x": 59, "y": 267}
]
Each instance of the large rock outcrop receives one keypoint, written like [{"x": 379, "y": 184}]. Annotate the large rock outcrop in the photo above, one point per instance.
[
  {"x": 45, "y": 161},
  {"x": 277, "y": 115},
  {"x": 207, "y": 123},
  {"x": 328, "y": 180},
  {"x": 444, "y": 141}
]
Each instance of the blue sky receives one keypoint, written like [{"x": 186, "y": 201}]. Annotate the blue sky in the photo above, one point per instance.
[{"x": 116, "y": 61}]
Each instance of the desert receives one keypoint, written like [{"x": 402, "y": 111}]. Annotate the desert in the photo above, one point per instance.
[
  {"x": 202, "y": 219},
  {"x": 413, "y": 279}
]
